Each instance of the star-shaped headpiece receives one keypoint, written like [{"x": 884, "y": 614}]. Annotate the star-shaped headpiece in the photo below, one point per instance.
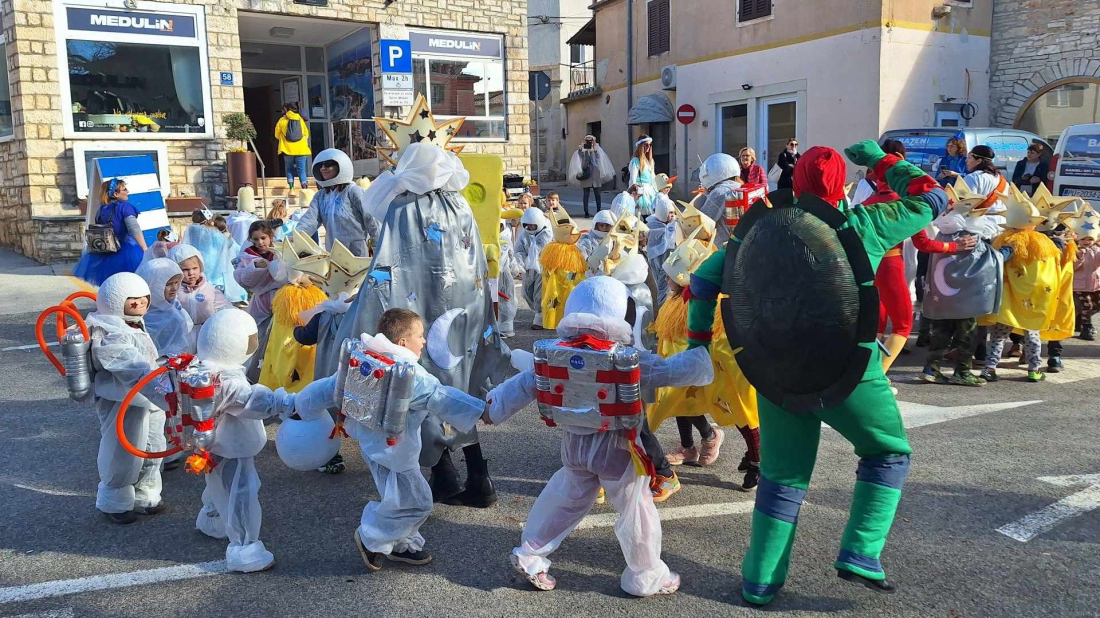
[
  {"x": 418, "y": 127},
  {"x": 1020, "y": 213},
  {"x": 967, "y": 202},
  {"x": 1085, "y": 223},
  {"x": 691, "y": 218},
  {"x": 337, "y": 271},
  {"x": 1052, "y": 208}
]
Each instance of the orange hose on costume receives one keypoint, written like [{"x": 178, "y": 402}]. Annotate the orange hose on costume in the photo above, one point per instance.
[
  {"x": 64, "y": 310},
  {"x": 120, "y": 421},
  {"x": 68, "y": 302}
]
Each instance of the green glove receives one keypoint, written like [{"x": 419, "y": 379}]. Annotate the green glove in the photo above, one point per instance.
[{"x": 866, "y": 153}]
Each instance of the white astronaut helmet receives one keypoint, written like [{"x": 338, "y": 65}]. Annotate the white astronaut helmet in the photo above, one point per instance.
[
  {"x": 111, "y": 296},
  {"x": 156, "y": 273},
  {"x": 228, "y": 338},
  {"x": 604, "y": 216},
  {"x": 718, "y": 167},
  {"x": 182, "y": 252},
  {"x": 343, "y": 177},
  {"x": 534, "y": 216},
  {"x": 601, "y": 307}
]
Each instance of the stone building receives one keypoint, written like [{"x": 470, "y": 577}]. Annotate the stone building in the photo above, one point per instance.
[
  {"x": 1044, "y": 65},
  {"x": 94, "y": 78}
]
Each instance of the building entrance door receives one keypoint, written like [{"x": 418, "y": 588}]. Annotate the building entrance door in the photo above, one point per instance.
[{"x": 778, "y": 124}]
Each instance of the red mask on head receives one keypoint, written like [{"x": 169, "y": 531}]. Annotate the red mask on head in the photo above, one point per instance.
[{"x": 821, "y": 172}]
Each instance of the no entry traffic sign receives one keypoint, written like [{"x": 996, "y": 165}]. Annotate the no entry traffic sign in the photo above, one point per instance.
[{"x": 685, "y": 114}]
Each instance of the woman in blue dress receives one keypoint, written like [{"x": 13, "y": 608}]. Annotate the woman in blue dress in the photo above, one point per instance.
[
  {"x": 643, "y": 176},
  {"x": 121, "y": 215}
]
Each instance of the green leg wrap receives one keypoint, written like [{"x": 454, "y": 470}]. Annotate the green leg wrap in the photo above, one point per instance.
[
  {"x": 873, "y": 508},
  {"x": 788, "y": 449}
]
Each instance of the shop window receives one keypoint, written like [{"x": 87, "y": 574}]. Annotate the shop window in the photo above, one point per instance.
[
  {"x": 753, "y": 9},
  {"x": 473, "y": 89},
  {"x": 660, "y": 19},
  {"x": 1050, "y": 112},
  {"x": 7, "y": 127},
  {"x": 134, "y": 73}
]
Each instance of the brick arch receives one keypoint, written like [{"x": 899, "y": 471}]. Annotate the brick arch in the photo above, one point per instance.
[{"x": 1024, "y": 92}]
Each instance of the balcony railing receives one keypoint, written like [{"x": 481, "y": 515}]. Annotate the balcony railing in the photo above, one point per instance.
[{"x": 582, "y": 78}]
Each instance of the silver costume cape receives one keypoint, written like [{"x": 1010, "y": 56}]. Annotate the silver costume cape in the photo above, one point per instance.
[
  {"x": 429, "y": 259},
  {"x": 963, "y": 285}
]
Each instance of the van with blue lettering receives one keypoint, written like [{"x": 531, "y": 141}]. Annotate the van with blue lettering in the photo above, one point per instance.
[
  {"x": 925, "y": 147},
  {"x": 1075, "y": 169}
]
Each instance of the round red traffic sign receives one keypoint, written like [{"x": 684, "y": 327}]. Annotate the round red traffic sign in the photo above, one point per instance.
[{"x": 685, "y": 114}]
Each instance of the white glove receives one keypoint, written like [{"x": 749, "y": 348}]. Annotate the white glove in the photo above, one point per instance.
[
  {"x": 284, "y": 403},
  {"x": 523, "y": 360}
]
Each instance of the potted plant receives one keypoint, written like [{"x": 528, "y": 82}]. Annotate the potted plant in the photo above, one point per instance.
[{"x": 239, "y": 162}]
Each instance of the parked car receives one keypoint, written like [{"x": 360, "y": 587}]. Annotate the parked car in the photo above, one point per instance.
[
  {"x": 924, "y": 147},
  {"x": 1075, "y": 169}
]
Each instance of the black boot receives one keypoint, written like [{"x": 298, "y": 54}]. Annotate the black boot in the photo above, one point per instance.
[
  {"x": 878, "y": 585},
  {"x": 1088, "y": 332},
  {"x": 479, "y": 492},
  {"x": 444, "y": 479}
]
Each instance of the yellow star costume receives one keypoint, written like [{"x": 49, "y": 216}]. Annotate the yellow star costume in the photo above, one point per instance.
[
  {"x": 729, "y": 399},
  {"x": 1038, "y": 279},
  {"x": 563, "y": 267}
]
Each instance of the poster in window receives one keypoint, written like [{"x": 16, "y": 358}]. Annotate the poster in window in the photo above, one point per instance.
[
  {"x": 351, "y": 94},
  {"x": 135, "y": 88}
]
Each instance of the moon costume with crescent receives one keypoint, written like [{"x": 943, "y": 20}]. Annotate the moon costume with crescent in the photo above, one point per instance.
[
  {"x": 803, "y": 312},
  {"x": 429, "y": 259},
  {"x": 960, "y": 288}
]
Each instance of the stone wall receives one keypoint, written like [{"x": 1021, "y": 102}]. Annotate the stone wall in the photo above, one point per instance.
[
  {"x": 1036, "y": 43},
  {"x": 38, "y": 202}
]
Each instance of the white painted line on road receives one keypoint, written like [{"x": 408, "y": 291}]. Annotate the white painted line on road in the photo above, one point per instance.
[
  {"x": 606, "y": 520},
  {"x": 53, "y": 613},
  {"x": 55, "y": 492},
  {"x": 57, "y": 588},
  {"x": 29, "y": 346},
  {"x": 1045, "y": 519},
  {"x": 918, "y": 414}
]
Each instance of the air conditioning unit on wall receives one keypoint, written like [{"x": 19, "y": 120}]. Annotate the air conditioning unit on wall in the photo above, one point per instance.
[{"x": 668, "y": 77}]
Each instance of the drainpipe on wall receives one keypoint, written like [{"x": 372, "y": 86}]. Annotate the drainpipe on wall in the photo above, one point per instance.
[{"x": 629, "y": 71}]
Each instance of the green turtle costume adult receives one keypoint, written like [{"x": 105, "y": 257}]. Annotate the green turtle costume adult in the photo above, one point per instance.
[{"x": 801, "y": 305}]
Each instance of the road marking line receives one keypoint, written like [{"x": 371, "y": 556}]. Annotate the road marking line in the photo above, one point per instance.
[
  {"x": 1031, "y": 526},
  {"x": 29, "y": 346},
  {"x": 64, "y": 587},
  {"x": 53, "y": 613},
  {"x": 55, "y": 492},
  {"x": 918, "y": 414},
  {"x": 605, "y": 520},
  {"x": 83, "y": 285}
]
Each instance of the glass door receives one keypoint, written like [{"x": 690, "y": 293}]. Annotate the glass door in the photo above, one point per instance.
[
  {"x": 733, "y": 128},
  {"x": 778, "y": 124}
]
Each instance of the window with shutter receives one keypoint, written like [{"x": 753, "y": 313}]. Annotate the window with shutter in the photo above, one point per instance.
[
  {"x": 753, "y": 9},
  {"x": 660, "y": 26}
]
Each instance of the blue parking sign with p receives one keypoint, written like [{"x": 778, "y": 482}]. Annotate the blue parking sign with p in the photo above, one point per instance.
[{"x": 396, "y": 56}]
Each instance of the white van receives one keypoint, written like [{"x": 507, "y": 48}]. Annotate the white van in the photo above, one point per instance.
[{"x": 1075, "y": 168}]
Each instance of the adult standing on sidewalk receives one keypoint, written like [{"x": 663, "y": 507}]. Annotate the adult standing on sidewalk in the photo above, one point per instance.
[
  {"x": 589, "y": 169},
  {"x": 292, "y": 132},
  {"x": 787, "y": 160}
]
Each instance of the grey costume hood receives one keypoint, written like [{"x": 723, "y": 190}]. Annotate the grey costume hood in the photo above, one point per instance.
[{"x": 345, "y": 174}]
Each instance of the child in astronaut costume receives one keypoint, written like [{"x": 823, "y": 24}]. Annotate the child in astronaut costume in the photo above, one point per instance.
[
  {"x": 340, "y": 206},
  {"x": 720, "y": 175},
  {"x": 230, "y": 502},
  {"x": 598, "y": 308},
  {"x": 601, "y": 225},
  {"x": 390, "y": 527},
  {"x": 660, "y": 242},
  {"x": 166, "y": 322},
  {"x": 123, "y": 353},
  {"x": 532, "y": 240},
  {"x": 198, "y": 297}
]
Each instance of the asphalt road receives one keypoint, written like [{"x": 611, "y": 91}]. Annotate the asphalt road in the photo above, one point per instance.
[{"x": 975, "y": 469}]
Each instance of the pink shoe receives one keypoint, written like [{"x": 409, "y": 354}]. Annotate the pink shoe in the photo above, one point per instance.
[
  {"x": 541, "y": 580},
  {"x": 670, "y": 586},
  {"x": 709, "y": 453},
  {"x": 680, "y": 455}
]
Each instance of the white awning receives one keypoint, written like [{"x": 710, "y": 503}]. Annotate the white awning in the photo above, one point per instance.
[{"x": 649, "y": 109}]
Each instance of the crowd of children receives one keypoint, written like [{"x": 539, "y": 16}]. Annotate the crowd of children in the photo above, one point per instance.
[{"x": 619, "y": 292}]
